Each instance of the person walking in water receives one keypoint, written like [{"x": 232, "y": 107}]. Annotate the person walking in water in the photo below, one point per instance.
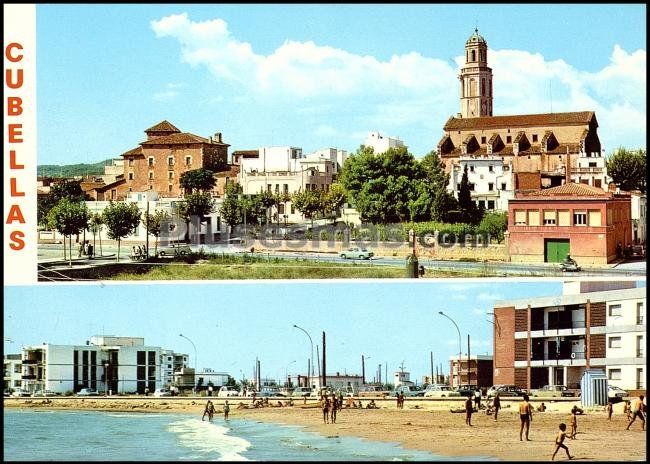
[
  {"x": 208, "y": 411},
  {"x": 525, "y": 416},
  {"x": 226, "y": 410}
]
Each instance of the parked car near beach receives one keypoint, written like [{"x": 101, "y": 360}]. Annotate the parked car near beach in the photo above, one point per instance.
[
  {"x": 175, "y": 249},
  {"x": 615, "y": 393},
  {"x": 44, "y": 393},
  {"x": 356, "y": 252},
  {"x": 552, "y": 391},
  {"x": 505, "y": 390},
  {"x": 408, "y": 390},
  {"x": 228, "y": 391},
  {"x": 440, "y": 391},
  {"x": 270, "y": 391},
  {"x": 87, "y": 392},
  {"x": 162, "y": 392},
  {"x": 20, "y": 392},
  {"x": 373, "y": 390},
  {"x": 301, "y": 392}
]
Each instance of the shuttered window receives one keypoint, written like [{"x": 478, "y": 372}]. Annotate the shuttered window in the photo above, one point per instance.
[
  {"x": 595, "y": 219},
  {"x": 563, "y": 218},
  {"x": 549, "y": 218},
  {"x": 533, "y": 217},
  {"x": 520, "y": 217}
]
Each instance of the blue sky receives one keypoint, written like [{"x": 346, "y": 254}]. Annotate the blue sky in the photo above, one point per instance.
[
  {"x": 318, "y": 76},
  {"x": 233, "y": 323}
]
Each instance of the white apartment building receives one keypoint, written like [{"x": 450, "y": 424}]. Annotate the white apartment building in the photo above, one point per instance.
[
  {"x": 381, "y": 143},
  {"x": 590, "y": 169},
  {"x": 402, "y": 378},
  {"x": 170, "y": 363},
  {"x": 639, "y": 216},
  {"x": 491, "y": 180},
  {"x": 552, "y": 340},
  {"x": 336, "y": 156},
  {"x": 12, "y": 371},
  {"x": 105, "y": 363}
]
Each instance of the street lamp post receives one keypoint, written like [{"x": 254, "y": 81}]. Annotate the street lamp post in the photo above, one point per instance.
[
  {"x": 106, "y": 379},
  {"x": 195, "y": 360},
  {"x": 363, "y": 369},
  {"x": 459, "y": 342},
  {"x": 312, "y": 352}
]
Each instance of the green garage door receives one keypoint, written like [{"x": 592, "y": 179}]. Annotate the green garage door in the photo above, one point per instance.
[{"x": 555, "y": 250}]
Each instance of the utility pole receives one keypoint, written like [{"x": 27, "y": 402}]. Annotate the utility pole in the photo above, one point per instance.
[
  {"x": 432, "y": 381},
  {"x": 324, "y": 364}
]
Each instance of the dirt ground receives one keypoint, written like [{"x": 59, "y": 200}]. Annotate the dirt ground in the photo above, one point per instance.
[{"x": 418, "y": 426}]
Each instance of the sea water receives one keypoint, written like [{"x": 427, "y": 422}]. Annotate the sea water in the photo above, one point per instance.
[{"x": 106, "y": 436}]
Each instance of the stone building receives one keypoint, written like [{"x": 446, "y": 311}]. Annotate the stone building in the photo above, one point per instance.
[{"x": 537, "y": 149}]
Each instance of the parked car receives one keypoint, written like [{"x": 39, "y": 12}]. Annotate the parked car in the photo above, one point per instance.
[
  {"x": 440, "y": 391},
  {"x": 227, "y": 391},
  {"x": 87, "y": 392},
  {"x": 162, "y": 392},
  {"x": 373, "y": 390},
  {"x": 505, "y": 390},
  {"x": 301, "y": 392},
  {"x": 408, "y": 390},
  {"x": 20, "y": 392},
  {"x": 616, "y": 394},
  {"x": 356, "y": 252},
  {"x": 552, "y": 391},
  {"x": 270, "y": 391},
  {"x": 637, "y": 252},
  {"x": 175, "y": 249},
  {"x": 466, "y": 390},
  {"x": 44, "y": 393}
]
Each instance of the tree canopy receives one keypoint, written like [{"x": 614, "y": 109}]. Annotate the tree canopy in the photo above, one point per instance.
[
  {"x": 627, "y": 168},
  {"x": 70, "y": 189},
  {"x": 200, "y": 180},
  {"x": 68, "y": 217},
  {"x": 121, "y": 220}
]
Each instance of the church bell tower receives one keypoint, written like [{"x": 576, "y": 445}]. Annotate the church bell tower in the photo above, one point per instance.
[{"x": 475, "y": 79}]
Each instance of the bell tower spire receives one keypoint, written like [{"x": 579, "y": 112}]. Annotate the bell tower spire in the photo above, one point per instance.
[{"x": 475, "y": 79}]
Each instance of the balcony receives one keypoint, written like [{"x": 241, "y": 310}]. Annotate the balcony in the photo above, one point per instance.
[
  {"x": 31, "y": 361},
  {"x": 28, "y": 377}
]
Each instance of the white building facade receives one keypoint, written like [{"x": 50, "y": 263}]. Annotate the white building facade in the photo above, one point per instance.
[
  {"x": 491, "y": 180},
  {"x": 381, "y": 143},
  {"x": 590, "y": 169},
  {"x": 12, "y": 376},
  {"x": 639, "y": 217}
]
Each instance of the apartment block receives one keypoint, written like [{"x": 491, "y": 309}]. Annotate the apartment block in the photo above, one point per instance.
[{"x": 552, "y": 340}]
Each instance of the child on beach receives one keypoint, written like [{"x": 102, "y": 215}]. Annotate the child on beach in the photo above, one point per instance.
[
  {"x": 334, "y": 408},
  {"x": 496, "y": 405},
  {"x": 627, "y": 410},
  {"x": 209, "y": 411},
  {"x": 638, "y": 410},
  {"x": 559, "y": 442},
  {"x": 574, "y": 422},
  {"x": 326, "y": 410},
  {"x": 469, "y": 409},
  {"x": 226, "y": 410}
]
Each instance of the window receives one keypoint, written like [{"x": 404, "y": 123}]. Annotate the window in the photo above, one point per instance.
[
  {"x": 285, "y": 188},
  {"x": 614, "y": 374},
  {"x": 130, "y": 161},
  {"x": 491, "y": 168},
  {"x": 150, "y": 161},
  {"x": 533, "y": 217},
  {"x": 615, "y": 310},
  {"x": 506, "y": 168},
  {"x": 483, "y": 140},
  {"x": 171, "y": 174},
  {"x": 534, "y": 137},
  {"x": 579, "y": 218},
  {"x": 614, "y": 342},
  {"x": 639, "y": 346},
  {"x": 113, "y": 194},
  {"x": 509, "y": 139},
  {"x": 130, "y": 176},
  {"x": 520, "y": 217},
  {"x": 150, "y": 175},
  {"x": 170, "y": 161},
  {"x": 563, "y": 218},
  {"x": 188, "y": 161},
  {"x": 549, "y": 218},
  {"x": 639, "y": 313},
  {"x": 169, "y": 366},
  {"x": 277, "y": 188},
  {"x": 490, "y": 186},
  {"x": 490, "y": 204},
  {"x": 269, "y": 188},
  {"x": 595, "y": 218},
  {"x": 471, "y": 187},
  {"x": 503, "y": 185},
  {"x": 170, "y": 187},
  {"x": 471, "y": 168}
]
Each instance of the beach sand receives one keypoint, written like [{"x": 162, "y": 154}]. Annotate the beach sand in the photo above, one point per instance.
[{"x": 420, "y": 425}]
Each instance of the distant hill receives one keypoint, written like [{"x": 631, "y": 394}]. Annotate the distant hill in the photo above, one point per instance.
[{"x": 70, "y": 170}]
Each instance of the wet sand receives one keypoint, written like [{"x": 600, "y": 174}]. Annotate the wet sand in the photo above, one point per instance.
[{"x": 420, "y": 425}]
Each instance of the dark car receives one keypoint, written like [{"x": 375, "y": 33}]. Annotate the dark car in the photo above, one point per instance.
[
  {"x": 637, "y": 252},
  {"x": 505, "y": 390}
]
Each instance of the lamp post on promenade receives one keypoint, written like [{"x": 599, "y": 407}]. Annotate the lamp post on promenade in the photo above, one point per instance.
[
  {"x": 459, "y": 342},
  {"x": 195, "y": 360},
  {"x": 106, "y": 378},
  {"x": 363, "y": 369},
  {"x": 312, "y": 352}
]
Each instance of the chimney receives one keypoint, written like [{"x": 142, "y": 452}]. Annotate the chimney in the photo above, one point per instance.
[{"x": 217, "y": 137}]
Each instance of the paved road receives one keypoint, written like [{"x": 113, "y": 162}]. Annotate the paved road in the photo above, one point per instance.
[{"x": 51, "y": 253}]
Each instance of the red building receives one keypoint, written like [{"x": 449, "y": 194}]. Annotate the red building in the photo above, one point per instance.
[{"x": 584, "y": 221}]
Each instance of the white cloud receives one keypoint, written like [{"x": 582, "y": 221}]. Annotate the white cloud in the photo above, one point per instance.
[
  {"x": 165, "y": 95},
  {"x": 487, "y": 296},
  {"x": 411, "y": 90}
]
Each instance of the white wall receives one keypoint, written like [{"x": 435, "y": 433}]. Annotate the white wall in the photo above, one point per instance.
[
  {"x": 481, "y": 177},
  {"x": 381, "y": 143}
]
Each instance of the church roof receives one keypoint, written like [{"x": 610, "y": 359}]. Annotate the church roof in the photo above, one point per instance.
[
  {"x": 519, "y": 120},
  {"x": 475, "y": 38},
  {"x": 133, "y": 151},
  {"x": 570, "y": 190},
  {"x": 176, "y": 139},
  {"x": 163, "y": 126}
]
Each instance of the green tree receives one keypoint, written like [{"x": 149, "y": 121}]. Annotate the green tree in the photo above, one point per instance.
[
  {"x": 335, "y": 198},
  {"x": 153, "y": 223},
  {"x": 267, "y": 200},
  {"x": 197, "y": 180},
  {"x": 442, "y": 201},
  {"x": 68, "y": 217},
  {"x": 198, "y": 204},
  {"x": 494, "y": 223},
  {"x": 627, "y": 168},
  {"x": 121, "y": 220},
  {"x": 70, "y": 189},
  {"x": 230, "y": 209},
  {"x": 469, "y": 211},
  {"x": 308, "y": 203},
  {"x": 95, "y": 225}
]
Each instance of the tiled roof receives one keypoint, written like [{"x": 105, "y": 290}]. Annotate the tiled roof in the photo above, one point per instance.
[
  {"x": 163, "y": 126},
  {"x": 177, "y": 139},
  {"x": 133, "y": 151},
  {"x": 570, "y": 190},
  {"x": 246, "y": 153},
  {"x": 506, "y": 150},
  {"x": 519, "y": 120}
]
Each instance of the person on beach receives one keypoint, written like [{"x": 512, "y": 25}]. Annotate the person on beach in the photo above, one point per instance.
[
  {"x": 496, "y": 405},
  {"x": 574, "y": 422},
  {"x": 334, "y": 408},
  {"x": 609, "y": 409},
  {"x": 541, "y": 407},
  {"x": 638, "y": 410},
  {"x": 525, "y": 416},
  {"x": 372, "y": 405},
  {"x": 559, "y": 442},
  {"x": 226, "y": 410},
  {"x": 81, "y": 249},
  {"x": 254, "y": 396},
  {"x": 340, "y": 402},
  {"x": 477, "y": 399},
  {"x": 208, "y": 411},
  {"x": 326, "y": 407},
  {"x": 469, "y": 409}
]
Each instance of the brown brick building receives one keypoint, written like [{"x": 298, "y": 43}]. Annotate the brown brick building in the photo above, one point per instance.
[
  {"x": 552, "y": 340},
  {"x": 158, "y": 162},
  {"x": 527, "y": 143}
]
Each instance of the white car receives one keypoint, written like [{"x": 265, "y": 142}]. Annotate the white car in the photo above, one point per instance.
[
  {"x": 87, "y": 392},
  {"x": 356, "y": 253},
  {"x": 44, "y": 393},
  {"x": 615, "y": 393},
  {"x": 226, "y": 391},
  {"x": 301, "y": 392},
  {"x": 162, "y": 392},
  {"x": 440, "y": 391},
  {"x": 175, "y": 249},
  {"x": 20, "y": 392}
]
